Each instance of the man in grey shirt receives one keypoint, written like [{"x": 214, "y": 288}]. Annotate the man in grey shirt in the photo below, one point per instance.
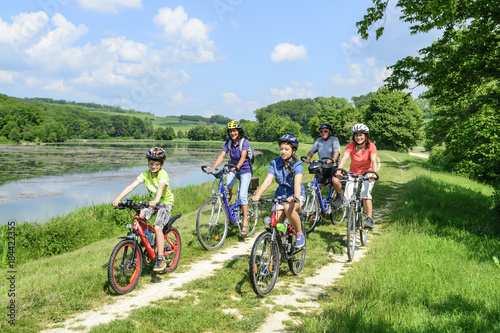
[{"x": 327, "y": 147}]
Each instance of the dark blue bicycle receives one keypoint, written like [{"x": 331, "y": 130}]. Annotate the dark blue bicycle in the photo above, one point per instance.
[
  {"x": 216, "y": 216},
  {"x": 315, "y": 205}
]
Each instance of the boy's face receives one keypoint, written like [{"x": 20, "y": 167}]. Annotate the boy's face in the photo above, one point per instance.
[{"x": 154, "y": 166}]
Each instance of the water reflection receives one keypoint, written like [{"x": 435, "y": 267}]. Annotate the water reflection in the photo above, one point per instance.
[{"x": 43, "y": 197}]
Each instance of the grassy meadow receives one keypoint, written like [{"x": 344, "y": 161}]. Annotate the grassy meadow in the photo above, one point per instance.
[{"x": 432, "y": 266}]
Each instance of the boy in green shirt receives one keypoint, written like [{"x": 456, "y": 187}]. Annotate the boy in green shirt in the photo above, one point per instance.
[{"x": 157, "y": 182}]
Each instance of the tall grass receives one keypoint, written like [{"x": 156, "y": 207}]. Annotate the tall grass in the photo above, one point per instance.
[{"x": 434, "y": 268}]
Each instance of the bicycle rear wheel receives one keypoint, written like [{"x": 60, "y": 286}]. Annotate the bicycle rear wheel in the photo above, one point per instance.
[
  {"x": 212, "y": 224},
  {"x": 337, "y": 215},
  {"x": 124, "y": 267},
  {"x": 296, "y": 263},
  {"x": 264, "y": 264},
  {"x": 351, "y": 233},
  {"x": 172, "y": 249},
  {"x": 253, "y": 217},
  {"x": 309, "y": 215}
]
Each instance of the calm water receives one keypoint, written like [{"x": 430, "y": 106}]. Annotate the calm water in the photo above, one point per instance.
[{"x": 42, "y": 197}]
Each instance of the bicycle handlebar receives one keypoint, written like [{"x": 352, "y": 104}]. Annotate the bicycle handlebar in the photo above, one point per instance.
[
  {"x": 226, "y": 168},
  {"x": 324, "y": 160},
  {"x": 130, "y": 204},
  {"x": 278, "y": 200}
]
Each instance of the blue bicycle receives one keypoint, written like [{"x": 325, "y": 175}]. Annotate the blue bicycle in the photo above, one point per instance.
[
  {"x": 216, "y": 216},
  {"x": 315, "y": 205}
]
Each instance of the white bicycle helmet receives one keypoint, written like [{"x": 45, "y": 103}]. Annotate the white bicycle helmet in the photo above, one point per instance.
[{"x": 360, "y": 128}]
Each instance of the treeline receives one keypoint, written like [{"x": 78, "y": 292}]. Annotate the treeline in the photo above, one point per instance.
[
  {"x": 84, "y": 106},
  {"x": 216, "y": 119},
  {"x": 57, "y": 123},
  {"x": 395, "y": 117}
]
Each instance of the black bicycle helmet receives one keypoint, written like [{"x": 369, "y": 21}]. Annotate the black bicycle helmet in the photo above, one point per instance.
[
  {"x": 156, "y": 153},
  {"x": 289, "y": 139},
  {"x": 325, "y": 125}
]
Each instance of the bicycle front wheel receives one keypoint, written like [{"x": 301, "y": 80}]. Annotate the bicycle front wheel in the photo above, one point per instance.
[
  {"x": 363, "y": 233},
  {"x": 253, "y": 217},
  {"x": 211, "y": 224},
  {"x": 124, "y": 267},
  {"x": 351, "y": 233},
  {"x": 298, "y": 259},
  {"x": 264, "y": 264},
  {"x": 309, "y": 215},
  {"x": 172, "y": 248}
]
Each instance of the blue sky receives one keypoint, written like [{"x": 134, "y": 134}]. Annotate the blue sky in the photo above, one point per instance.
[{"x": 201, "y": 57}]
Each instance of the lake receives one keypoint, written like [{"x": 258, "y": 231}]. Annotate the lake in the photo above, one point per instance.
[{"x": 39, "y": 182}]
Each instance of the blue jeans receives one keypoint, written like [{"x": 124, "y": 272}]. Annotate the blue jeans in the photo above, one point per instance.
[{"x": 244, "y": 184}]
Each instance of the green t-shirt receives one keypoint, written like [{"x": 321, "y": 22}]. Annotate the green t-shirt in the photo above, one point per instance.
[{"x": 152, "y": 185}]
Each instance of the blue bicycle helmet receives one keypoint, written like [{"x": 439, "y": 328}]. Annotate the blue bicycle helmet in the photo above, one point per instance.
[{"x": 289, "y": 139}]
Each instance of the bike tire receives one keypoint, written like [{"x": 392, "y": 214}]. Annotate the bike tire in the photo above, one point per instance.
[
  {"x": 351, "y": 233},
  {"x": 336, "y": 215},
  {"x": 298, "y": 260},
  {"x": 264, "y": 264},
  {"x": 124, "y": 267},
  {"x": 172, "y": 248},
  {"x": 212, "y": 224},
  {"x": 309, "y": 215},
  {"x": 253, "y": 217}
]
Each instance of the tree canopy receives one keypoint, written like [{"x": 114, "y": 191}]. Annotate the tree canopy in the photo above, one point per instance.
[{"x": 461, "y": 71}]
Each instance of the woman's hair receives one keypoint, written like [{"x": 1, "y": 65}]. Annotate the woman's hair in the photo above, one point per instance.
[
  {"x": 294, "y": 158},
  {"x": 367, "y": 139}
]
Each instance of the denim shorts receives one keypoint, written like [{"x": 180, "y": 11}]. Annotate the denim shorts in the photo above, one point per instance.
[{"x": 282, "y": 206}]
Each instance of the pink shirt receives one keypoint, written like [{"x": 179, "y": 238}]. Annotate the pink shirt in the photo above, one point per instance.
[{"x": 360, "y": 162}]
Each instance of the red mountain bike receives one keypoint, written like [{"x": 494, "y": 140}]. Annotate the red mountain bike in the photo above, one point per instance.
[{"x": 138, "y": 247}]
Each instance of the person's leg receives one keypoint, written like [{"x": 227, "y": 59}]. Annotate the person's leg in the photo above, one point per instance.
[
  {"x": 366, "y": 195},
  {"x": 164, "y": 212},
  {"x": 244, "y": 184},
  {"x": 231, "y": 177}
]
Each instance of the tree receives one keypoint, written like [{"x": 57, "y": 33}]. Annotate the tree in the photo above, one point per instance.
[
  {"x": 274, "y": 128},
  {"x": 394, "y": 119},
  {"x": 461, "y": 70},
  {"x": 297, "y": 110},
  {"x": 332, "y": 110},
  {"x": 199, "y": 132},
  {"x": 463, "y": 59}
]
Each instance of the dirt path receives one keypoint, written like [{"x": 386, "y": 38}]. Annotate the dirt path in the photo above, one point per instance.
[{"x": 311, "y": 289}]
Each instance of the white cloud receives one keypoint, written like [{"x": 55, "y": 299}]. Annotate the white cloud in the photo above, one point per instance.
[
  {"x": 288, "y": 53},
  {"x": 59, "y": 86},
  {"x": 187, "y": 39},
  {"x": 230, "y": 98},
  {"x": 109, "y": 6},
  {"x": 292, "y": 91},
  {"x": 177, "y": 98},
  {"x": 7, "y": 77},
  {"x": 355, "y": 77},
  {"x": 24, "y": 29}
]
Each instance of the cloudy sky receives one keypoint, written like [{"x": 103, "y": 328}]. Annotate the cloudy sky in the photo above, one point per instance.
[{"x": 200, "y": 57}]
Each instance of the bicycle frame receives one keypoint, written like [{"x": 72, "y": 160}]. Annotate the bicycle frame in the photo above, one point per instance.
[
  {"x": 138, "y": 230},
  {"x": 324, "y": 204},
  {"x": 285, "y": 253},
  {"x": 233, "y": 211}
]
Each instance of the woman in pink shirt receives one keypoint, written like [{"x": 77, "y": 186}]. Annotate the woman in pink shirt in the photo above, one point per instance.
[{"x": 363, "y": 154}]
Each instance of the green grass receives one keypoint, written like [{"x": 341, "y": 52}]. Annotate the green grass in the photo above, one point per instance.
[{"x": 432, "y": 268}]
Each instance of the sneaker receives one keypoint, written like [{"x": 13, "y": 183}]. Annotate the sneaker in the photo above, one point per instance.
[
  {"x": 369, "y": 223},
  {"x": 300, "y": 241},
  {"x": 337, "y": 202},
  {"x": 160, "y": 265}
]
